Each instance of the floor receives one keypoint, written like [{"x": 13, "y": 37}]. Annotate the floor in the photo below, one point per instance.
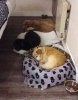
[{"x": 11, "y": 78}]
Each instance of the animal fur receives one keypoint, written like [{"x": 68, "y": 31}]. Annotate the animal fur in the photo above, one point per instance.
[
  {"x": 31, "y": 40},
  {"x": 47, "y": 38},
  {"x": 49, "y": 57},
  {"x": 42, "y": 25},
  {"x": 44, "y": 35}
]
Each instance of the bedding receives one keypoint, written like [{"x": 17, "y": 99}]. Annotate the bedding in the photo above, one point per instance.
[
  {"x": 3, "y": 12},
  {"x": 10, "y": 5},
  {"x": 3, "y": 0},
  {"x": 37, "y": 77}
]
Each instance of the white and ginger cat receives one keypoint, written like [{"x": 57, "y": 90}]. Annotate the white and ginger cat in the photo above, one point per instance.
[{"x": 49, "y": 57}]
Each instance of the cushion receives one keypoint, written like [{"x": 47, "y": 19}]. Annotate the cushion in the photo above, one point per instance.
[
  {"x": 3, "y": 0},
  {"x": 37, "y": 77},
  {"x": 3, "y": 12}
]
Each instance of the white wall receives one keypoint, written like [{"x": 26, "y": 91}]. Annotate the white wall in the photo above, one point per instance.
[
  {"x": 33, "y": 7},
  {"x": 72, "y": 37}
]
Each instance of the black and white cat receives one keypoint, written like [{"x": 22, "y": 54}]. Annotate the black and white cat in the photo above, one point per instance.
[{"x": 28, "y": 40}]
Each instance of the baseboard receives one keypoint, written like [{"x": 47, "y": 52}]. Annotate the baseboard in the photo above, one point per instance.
[{"x": 30, "y": 13}]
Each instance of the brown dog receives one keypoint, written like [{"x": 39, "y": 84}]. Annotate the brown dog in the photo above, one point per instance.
[{"x": 43, "y": 25}]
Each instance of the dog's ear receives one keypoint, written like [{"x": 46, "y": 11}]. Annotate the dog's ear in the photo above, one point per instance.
[
  {"x": 39, "y": 51},
  {"x": 26, "y": 24},
  {"x": 35, "y": 24}
]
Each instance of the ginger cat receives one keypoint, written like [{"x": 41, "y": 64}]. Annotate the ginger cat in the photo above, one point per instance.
[{"x": 49, "y": 57}]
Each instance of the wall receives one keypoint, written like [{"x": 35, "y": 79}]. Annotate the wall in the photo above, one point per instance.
[
  {"x": 33, "y": 7},
  {"x": 72, "y": 37}
]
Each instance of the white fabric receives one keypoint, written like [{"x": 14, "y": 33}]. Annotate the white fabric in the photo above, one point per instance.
[
  {"x": 47, "y": 38},
  {"x": 21, "y": 35}
]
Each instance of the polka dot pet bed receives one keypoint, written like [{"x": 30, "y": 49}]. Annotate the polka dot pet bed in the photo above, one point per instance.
[{"x": 37, "y": 77}]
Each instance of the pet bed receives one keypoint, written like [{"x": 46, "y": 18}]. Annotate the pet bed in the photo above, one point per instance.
[{"x": 37, "y": 77}]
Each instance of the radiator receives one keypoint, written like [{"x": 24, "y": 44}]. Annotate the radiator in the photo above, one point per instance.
[{"x": 61, "y": 15}]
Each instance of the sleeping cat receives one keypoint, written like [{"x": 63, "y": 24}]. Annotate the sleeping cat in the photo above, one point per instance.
[{"x": 49, "y": 57}]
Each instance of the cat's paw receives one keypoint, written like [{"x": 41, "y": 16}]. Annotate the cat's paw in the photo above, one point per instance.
[{"x": 42, "y": 62}]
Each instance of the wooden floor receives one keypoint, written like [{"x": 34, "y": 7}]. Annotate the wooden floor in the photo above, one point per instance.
[{"x": 11, "y": 78}]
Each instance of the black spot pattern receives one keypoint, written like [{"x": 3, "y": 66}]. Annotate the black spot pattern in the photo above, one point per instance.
[
  {"x": 48, "y": 86},
  {"x": 31, "y": 81},
  {"x": 64, "y": 75},
  {"x": 36, "y": 82},
  {"x": 60, "y": 70},
  {"x": 37, "y": 76},
  {"x": 33, "y": 68},
  {"x": 42, "y": 82},
  {"x": 71, "y": 68},
  {"x": 74, "y": 72},
  {"x": 69, "y": 64},
  {"x": 37, "y": 64},
  {"x": 28, "y": 72},
  {"x": 39, "y": 86},
  {"x": 69, "y": 73},
  {"x": 30, "y": 60},
  {"x": 54, "y": 72},
  {"x": 26, "y": 62},
  {"x": 65, "y": 68},
  {"x": 33, "y": 76},
  {"x": 59, "y": 76},
  {"x": 40, "y": 70},
  {"x": 52, "y": 79},
  {"x": 45, "y": 76},
  {"x": 29, "y": 64}
]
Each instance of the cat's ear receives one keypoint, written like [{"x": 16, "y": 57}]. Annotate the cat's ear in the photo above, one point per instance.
[{"x": 39, "y": 51}]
